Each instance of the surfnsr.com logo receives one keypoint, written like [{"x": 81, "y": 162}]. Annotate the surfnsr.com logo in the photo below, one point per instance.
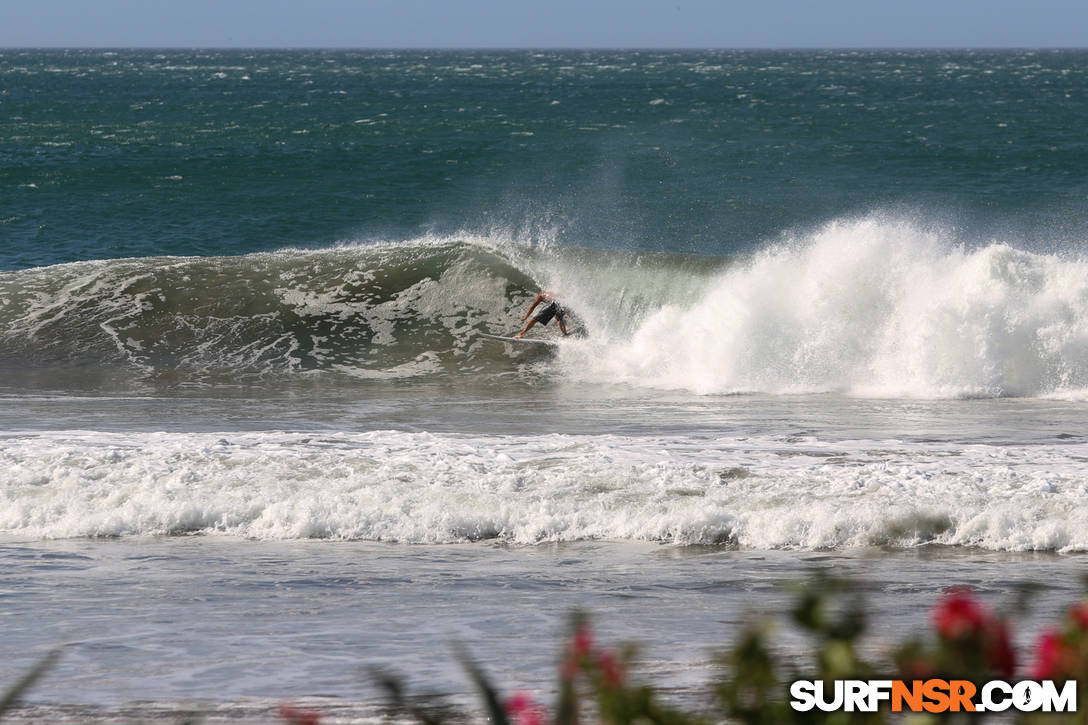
[{"x": 934, "y": 696}]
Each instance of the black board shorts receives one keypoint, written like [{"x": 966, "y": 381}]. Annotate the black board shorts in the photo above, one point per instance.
[{"x": 552, "y": 310}]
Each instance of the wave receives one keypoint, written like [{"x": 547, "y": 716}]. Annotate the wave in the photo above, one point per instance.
[
  {"x": 386, "y": 310},
  {"x": 755, "y": 491},
  {"x": 375, "y": 311},
  {"x": 874, "y": 306}
]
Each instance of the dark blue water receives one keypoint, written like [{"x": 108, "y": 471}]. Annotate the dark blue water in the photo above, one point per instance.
[{"x": 136, "y": 153}]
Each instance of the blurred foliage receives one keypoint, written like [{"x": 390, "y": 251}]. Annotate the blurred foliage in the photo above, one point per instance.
[{"x": 966, "y": 640}]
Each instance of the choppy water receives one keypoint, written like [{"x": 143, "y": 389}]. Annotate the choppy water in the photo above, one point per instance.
[
  {"x": 108, "y": 155},
  {"x": 829, "y": 303}
]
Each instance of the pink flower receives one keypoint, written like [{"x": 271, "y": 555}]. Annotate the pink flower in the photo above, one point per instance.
[
  {"x": 959, "y": 615},
  {"x": 582, "y": 644},
  {"x": 999, "y": 648},
  {"x": 524, "y": 709},
  {"x": 299, "y": 716},
  {"x": 580, "y": 647},
  {"x": 1048, "y": 656},
  {"x": 961, "y": 618},
  {"x": 611, "y": 670},
  {"x": 518, "y": 702},
  {"x": 1054, "y": 657}
]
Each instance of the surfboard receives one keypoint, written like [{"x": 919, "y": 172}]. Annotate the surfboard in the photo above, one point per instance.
[{"x": 525, "y": 340}]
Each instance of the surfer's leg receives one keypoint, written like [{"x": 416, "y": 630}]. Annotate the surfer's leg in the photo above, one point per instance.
[
  {"x": 528, "y": 327},
  {"x": 560, "y": 317},
  {"x": 543, "y": 318}
]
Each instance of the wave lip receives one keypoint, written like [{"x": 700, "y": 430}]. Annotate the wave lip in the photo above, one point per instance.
[{"x": 763, "y": 493}]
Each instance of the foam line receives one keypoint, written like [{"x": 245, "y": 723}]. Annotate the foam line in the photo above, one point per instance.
[{"x": 760, "y": 492}]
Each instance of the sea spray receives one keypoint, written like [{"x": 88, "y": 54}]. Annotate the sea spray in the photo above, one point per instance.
[{"x": 873, "y": 306}]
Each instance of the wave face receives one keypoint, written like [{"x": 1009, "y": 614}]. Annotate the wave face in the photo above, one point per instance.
[
  {"x": 752, "y": 491},
  {"x": 392, "y": 310},
  {"x": 873, "y": 306},
  {"x": 380, "y": 311}
]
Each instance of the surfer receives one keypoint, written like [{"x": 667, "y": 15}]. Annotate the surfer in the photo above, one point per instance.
[{"x": 551, "y": 308}]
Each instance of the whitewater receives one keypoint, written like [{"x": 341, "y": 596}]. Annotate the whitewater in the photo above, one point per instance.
[
  {"x": 877, "y": 310},
  {"x": 753, "y": 492}
]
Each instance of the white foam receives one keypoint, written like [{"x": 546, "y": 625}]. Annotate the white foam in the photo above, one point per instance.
[
  {"x": 875, "y": 307},
  {"x": 419, "y": 487}
]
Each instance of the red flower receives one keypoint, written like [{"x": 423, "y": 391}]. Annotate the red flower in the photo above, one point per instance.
[
  {"x": 611, "y": 670},
  {"x": 962, "y": 619},
  {"x": 299, "y": 716},
  {"x": 519, "y": 701},
  {"x": 999, "y": 648},
  {"x": 1053, "y": 657},
  {"x": 959, "y": 615},
  {"x": 582, "y": 644},
  {"x": 524, "y": 710},
  {"x": 580, "y": 647}
]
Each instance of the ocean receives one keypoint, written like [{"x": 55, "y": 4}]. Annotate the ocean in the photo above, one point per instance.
[{"x": 830, "y": 313}]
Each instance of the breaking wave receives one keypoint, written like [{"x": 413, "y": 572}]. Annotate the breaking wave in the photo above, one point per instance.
[{"x": 871, "y": 306}]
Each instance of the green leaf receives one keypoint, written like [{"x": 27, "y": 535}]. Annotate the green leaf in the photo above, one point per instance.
[
  {"x": 491, "y": 697},
  {"x": 16, "y": 691}
]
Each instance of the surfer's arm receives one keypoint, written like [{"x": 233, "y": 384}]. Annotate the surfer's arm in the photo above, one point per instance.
[{"x": 532, "y": 307}]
